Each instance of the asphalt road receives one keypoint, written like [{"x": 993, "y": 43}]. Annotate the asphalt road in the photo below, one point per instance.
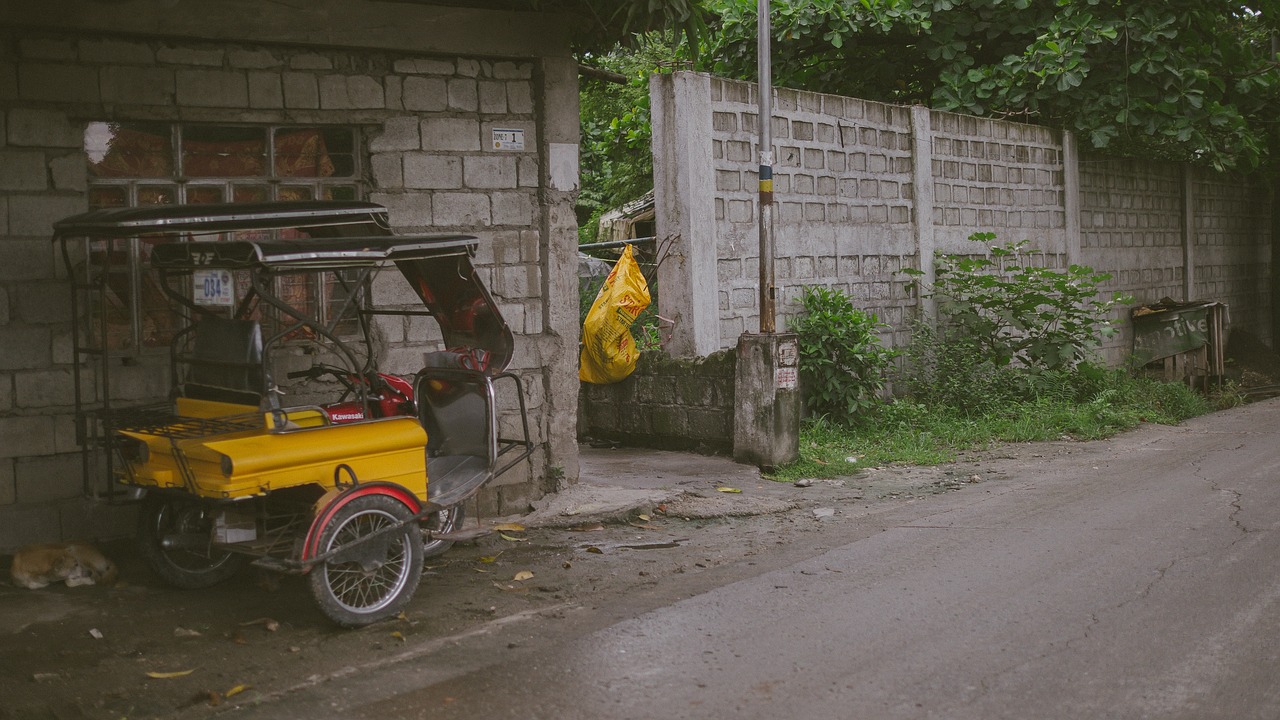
[{"x": 1137, "y": 579}]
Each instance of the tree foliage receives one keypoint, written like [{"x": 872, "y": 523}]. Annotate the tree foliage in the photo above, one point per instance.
[{"x": 1188, "y": 80}]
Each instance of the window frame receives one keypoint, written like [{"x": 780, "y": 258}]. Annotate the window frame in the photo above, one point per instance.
[{"x": 180, "y": 185}]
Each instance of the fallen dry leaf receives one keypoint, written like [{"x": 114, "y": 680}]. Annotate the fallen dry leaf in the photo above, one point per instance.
[
  {"x": 399, "y": 636},
  {"x": 185, "y": 632},
  {"x": 510, "y": 588},
  {"x": 728, "y": 490},
  {"x": 645, "y": 518},
  {"x": 507, "y": 537},
  {"x": 596, "y": 550},
  {"x": 167, "y": 675},
  {"x": 490, "y": 558},
  {"x": 510, "y": 527},
  {"x": 589, "y": 527},
  {"x": 235, "y": 691},
  {"x": 268, "y": 623},
  {"x": 523, "y": 575}
]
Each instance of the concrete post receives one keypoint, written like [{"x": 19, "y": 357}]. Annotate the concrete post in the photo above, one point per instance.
[
  {"x": 766, "y": 422},
  {"x": 1188, "y": 233},
  {"x": 922, "y": 192},
  {"x": 684, "y": 199},
  {"x": 557, "y": 88},
  {"x": 1071, "y": 195}
]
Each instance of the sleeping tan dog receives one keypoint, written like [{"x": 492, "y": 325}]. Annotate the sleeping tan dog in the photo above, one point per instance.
[{"x": 76, "y": 563}]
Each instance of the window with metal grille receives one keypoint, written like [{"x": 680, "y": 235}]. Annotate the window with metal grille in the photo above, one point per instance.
[{"x": 148, "y": 163}]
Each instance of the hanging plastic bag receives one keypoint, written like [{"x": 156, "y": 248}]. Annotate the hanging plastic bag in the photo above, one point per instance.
[{"x": 609, "y": 351}]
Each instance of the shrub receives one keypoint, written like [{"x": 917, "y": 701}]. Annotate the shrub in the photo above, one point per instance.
[
  {"x": 1011, "y": 311},
  {"x": 842, "y": 362}
]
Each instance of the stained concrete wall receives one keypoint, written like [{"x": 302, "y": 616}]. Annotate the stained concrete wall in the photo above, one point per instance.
[
  {"x": 424, "y": 85},
  {"x": 864, "y": 190},
  {"x": 671, "y": 404}
]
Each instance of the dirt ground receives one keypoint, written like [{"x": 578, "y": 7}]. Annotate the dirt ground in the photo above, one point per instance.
[
  {"x": 141, "y": 649},
  {"x": 86, "y": 652}
]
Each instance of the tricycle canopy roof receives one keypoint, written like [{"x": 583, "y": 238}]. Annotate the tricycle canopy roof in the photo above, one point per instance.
[
  {"x": 308, "y": 253},
  {"x": 221, "y": 217}
]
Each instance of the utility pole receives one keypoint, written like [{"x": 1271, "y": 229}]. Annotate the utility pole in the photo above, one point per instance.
[
  {"x": 766, "y": 421},
  {"x": 764, "y": 61}
]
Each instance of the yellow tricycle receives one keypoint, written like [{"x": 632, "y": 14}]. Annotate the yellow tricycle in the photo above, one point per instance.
[{"x": 282, "y": 444}]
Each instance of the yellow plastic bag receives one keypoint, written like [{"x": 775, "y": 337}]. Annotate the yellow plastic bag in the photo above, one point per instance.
[{"x": 608, "y": 351}]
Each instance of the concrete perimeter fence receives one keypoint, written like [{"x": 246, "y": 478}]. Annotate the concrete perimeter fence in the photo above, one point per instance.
[{"x": 865, "y": 190}]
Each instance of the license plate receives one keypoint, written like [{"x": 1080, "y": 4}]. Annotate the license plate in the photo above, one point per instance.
[{"x": 213, "y": 287}]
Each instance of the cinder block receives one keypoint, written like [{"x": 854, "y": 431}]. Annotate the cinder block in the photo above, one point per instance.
[
  {"x": 25, "y": 259},
  {"x": 351, "y": 92},
  {"x": 24, "y": 347},
  {"x": 512, "y": 208},
  {"x": 24, "y": 436},
  {"x": 46, "y": 49},
  {"x": 265, "y": 90},
  {"x": 25, "y": 524},
  {"x": 408, "y": 210},
  {"x": 213, "y": 88},
  {"x": 463, "y": 95},
  {"x": 211, "y": 57},
  {"x": 44, "y": 388},
  {"x": 436, "y": 172},
  {"x": 8, "y": 489},
  {"x": 23, "y": 170},
  {"x": 461, "y": 210},
  {"x": 42, "y": 303},
  {"x": 512, "y": 70},
  {"x": 393, "y": 89},
  {"x": 138, "y": 383},
  {"x": 493, "y": 97},
  {"x": 388, "y": 172},
  {"x": 301, "y": 91},
  {"x": 519, "y": 98},
  {"x": 58, "y": 83},
  {"x": 85, "y": 519},
  {"x": 310, "y": 61},
  {"x": 425, "y": 94},
  {"x": 252, "y": 59},
  {"x": 52, "y": 477},
  {"x": 30, "y": 127},
  {"x": 459, "y": 134},
  {"x": 401, "y": 133},
  {"x": 68, "y": 173},
  {"x": 116, "y": 51},
  {"x": 6, "y": 391},
  {"x": 35, "y": 214},
  {"x": 423, "y": 66},
  {"x": 490, "y": 172}
]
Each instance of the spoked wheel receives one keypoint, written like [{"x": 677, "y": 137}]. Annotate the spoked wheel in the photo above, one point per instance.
[
  {"x": 445, "y": 521},
  {"x": 174, "y": 536},
  {"x": 371, "y": 580}
]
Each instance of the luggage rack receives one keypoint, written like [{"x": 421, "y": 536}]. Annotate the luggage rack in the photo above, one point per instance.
[{"x": 161, "y": 421}]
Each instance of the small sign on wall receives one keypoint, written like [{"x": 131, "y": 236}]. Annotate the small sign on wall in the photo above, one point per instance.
[
  {"x": 784, "y": 378},
  {"x": 508, "y": 139}
]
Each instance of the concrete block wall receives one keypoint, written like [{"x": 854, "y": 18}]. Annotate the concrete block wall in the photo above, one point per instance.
[
  {"x": 996, "y": 176},
  {"x": 672, "y": 404},
  {"x": 1131, "y": 226},
  {"x": 1232, "y": 248},
  {"x": 864, "y": 190},
  {"x": 426, "y": 122},
  {"x": 844, "y": 202}
]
